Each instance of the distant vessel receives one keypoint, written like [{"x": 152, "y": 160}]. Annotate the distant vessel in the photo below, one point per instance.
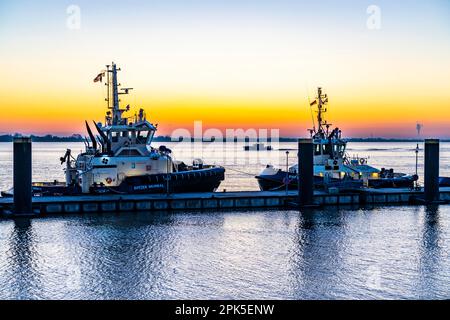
[
  {"x": 120, "y": 158},
  {"x": 257, "y": 147},
  {"x": 332, "y": 166}
]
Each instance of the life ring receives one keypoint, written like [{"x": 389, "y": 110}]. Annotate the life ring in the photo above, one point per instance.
[
  {"x": 108, "y": 180},
  {"x": 362, "y": 161}
]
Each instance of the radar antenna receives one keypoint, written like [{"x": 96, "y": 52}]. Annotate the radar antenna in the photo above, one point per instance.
[{"x": 321, "y": 101}]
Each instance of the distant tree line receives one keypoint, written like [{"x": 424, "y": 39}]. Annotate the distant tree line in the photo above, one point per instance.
[
  {"x": 46, "y": 138},
  {"x": 80, "y": 138}
]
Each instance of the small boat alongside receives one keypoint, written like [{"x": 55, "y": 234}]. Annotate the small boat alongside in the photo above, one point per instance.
[
  {"x": 120, "y": 157},
  {"x": 333, "y": 167},
  {"x": 46, "y": 189}
]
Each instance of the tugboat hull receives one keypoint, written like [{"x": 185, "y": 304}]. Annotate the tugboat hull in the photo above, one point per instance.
[
  {"x": 278, "y": 182},
  {"x": 444, "y": 181},
  {"x": 202, "y": 180}
]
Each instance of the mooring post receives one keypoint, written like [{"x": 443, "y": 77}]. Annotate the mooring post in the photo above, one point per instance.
[
  {"x": 22, "y": 176},
  {"x": 431, "y": 188},
  {"x": 305, "y": 171}
]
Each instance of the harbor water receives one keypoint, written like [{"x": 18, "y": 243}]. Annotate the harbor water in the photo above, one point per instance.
[
  {"x": 385, "y": 252},
  {"x": 241, "y": 166}
]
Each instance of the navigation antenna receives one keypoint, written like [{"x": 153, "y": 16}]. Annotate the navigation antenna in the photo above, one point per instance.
[
  {"x": 112, "y": 95},
  {"x": 312, "y": 114},
  {"x": 321, "y": 101}
]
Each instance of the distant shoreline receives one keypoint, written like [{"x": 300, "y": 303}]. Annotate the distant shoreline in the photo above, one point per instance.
[{"x": 79, "y": 138}]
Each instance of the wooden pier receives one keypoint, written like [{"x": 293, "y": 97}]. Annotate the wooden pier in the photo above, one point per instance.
[{"x": 213, "y": 201}]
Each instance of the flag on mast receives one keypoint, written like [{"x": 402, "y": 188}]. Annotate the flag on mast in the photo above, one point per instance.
[{"x": 99, "y": 77}]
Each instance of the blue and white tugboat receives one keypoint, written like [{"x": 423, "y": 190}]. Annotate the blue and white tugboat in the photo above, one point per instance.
[
  {"x": 120, "y": 158},
  {"x": 332, "y": 166}
]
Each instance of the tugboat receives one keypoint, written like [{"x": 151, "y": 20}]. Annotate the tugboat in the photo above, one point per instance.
[
  {"x": 120, "y": 158},
  {"x": 332, "y": 166}
]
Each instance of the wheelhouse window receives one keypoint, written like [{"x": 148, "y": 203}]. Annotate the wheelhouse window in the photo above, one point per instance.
[
  {"x": 142, "y": 137},
  {"x": 340, "y": 149},
  {"x": 129, "y": 153},
  {"x": 317, "y": 149},
  {"x": 324, "y": 149}
]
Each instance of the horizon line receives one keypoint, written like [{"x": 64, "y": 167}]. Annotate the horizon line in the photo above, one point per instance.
[{"x": 76, "y": 137}]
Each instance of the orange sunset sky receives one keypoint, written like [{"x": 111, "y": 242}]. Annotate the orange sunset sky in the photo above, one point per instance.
[{"x": 233, "y": 64}]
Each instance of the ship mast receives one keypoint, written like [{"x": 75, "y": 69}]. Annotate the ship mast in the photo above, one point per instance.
[
  {"x": 113, "y": 104},
  {"x": 113, "y": 92},
  {"x": 322, "y": 101}
]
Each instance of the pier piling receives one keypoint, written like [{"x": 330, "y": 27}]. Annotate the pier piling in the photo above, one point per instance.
[
  {"x": 431, "y": 188},
  {"x": 22, "y": 176},
  {"x": 305, "y": 171}
]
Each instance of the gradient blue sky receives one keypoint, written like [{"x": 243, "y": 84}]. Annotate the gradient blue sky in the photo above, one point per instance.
[{"x": 252, "y": 62}]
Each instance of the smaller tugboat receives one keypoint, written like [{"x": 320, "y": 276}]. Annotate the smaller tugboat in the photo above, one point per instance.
[
  {"x": 332, "y": 166},
  {"x": 121, "y": 159}
]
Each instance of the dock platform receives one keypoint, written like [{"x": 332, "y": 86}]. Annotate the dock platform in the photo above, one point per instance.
[{"x": 212, "y": 200}]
